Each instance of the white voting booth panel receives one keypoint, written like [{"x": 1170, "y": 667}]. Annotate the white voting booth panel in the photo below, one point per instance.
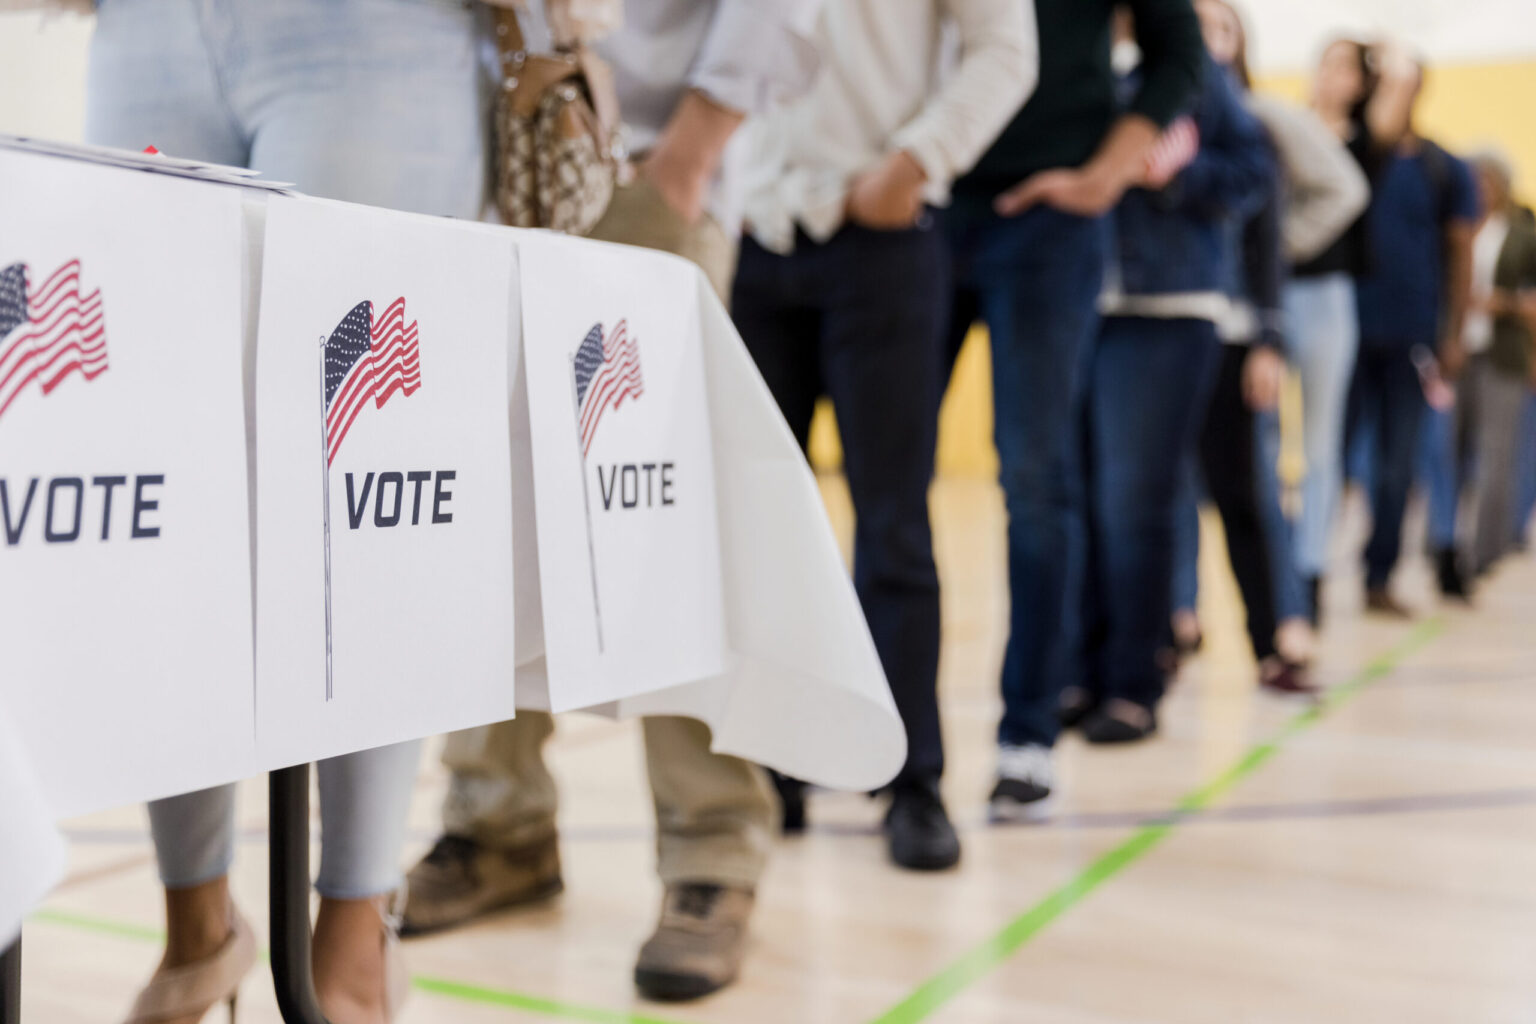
[
  {"x": 125, "y": 583},
  {"x": 489, "y": 469},
  {"x": 383, "y": 481}
]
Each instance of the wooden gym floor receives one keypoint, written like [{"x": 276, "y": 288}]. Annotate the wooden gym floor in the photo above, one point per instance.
[{"x": 1376, "y": 862}]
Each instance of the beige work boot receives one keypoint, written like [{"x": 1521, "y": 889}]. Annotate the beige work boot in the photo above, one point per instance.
[
  {"x": 698, "y": 945},
  {"x": 461, "y": 879}
]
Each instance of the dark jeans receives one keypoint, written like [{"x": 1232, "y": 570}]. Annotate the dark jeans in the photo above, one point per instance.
[
  {"x": 1386, "y": 402},
  {"x": 861, "y": 319},
  {"x": 1034, "y": 281},
  {"x": 1148, "y": 388}
]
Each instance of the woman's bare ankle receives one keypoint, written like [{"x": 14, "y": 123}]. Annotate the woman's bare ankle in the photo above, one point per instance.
[{"x": 198, "y": 921}]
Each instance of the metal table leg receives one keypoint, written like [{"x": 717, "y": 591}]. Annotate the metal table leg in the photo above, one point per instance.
[
  {"x": 10, "y": 983},
  {"x": 288, "y": 811}
]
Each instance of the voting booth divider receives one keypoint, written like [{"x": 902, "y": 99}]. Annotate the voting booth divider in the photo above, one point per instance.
[{"x": 283, "y": 478}]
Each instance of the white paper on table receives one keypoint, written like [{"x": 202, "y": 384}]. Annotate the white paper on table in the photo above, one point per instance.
[
  {"x": 421, "y": 611},
  {"x": 32, "y": 852},
  {"x": 805, "y": 693},
  {"x": 132, "y": 646},
  {"x": 627, "y": 526}
]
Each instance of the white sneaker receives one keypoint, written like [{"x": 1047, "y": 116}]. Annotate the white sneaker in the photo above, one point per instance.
[{"x": 1025, "y": 778}]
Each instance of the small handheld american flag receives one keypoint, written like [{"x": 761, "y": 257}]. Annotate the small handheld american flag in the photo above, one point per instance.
[
  {"x": 48, "y": 332},
  {"x": 1174, "y": 150}
]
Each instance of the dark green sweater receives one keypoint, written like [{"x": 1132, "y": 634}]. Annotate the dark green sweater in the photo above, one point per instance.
[{"x": 1074, "y": 102}]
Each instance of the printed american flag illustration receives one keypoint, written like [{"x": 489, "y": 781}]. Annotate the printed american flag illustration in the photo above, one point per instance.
[
  {"x": 48, "y": 332},
  {"x": 367, "y": 359},
  {"x": 607, "y": 372}
]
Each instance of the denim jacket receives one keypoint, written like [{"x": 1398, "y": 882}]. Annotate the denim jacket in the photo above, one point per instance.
[{"x": 1184, "y": 238}]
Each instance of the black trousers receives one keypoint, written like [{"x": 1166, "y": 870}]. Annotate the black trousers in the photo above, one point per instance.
[
  {"x": 1229, "y": 461},
  {"x": 861, "y": 318}
]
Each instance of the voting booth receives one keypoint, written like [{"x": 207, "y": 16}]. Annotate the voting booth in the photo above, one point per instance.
[{"x": 282, "y": 479}]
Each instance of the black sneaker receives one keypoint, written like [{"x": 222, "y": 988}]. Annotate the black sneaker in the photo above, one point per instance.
[
  {"x": 1025, "y": 777},
  {"x": 1453, "y": 582},
  {"x": 1120, "y": 721},
  {"x": 919, "y": 832}
]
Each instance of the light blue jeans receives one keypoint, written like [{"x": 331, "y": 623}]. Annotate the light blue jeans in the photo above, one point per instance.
[
  {"x": 381, "y": 102},
  {"x": 1324, "y": 336}
]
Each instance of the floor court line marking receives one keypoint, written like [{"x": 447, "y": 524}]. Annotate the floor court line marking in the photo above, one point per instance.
[
  {"x": 980, "y": 960},
  {"x": 971, "y": 967}
]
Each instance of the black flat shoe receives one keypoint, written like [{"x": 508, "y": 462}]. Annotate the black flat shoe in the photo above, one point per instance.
[
  {"x": 919, "y": 831},
  {"x": 792, "y": 800},
  {"x": 1119, "y": 721},
  {"x": 1076, "y": 704}
]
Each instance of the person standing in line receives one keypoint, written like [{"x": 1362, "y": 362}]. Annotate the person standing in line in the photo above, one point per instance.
[
  {"x": 1365, "y": 97},
  {"x": 352, "y": 100},
  {"x": 1149, "y": 384},
  {"x": 843, "y": 287},
  {"x": 1029, "y": 242},
  {"x": 687, "y": 72},
  {"x": 1319, "y": 192},
  {"x": 1412, "y": 311},
  {"x": 1502, "y": 330}
]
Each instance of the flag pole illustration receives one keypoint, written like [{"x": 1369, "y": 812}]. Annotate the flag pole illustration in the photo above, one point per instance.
[
  {"x": 586, "y": 502},
  {"x": 325, "y": 476},
  {"x": 48, "y": 332},
  {"x": 605, "y": 371},
  {"x": 362, "y": 359}
]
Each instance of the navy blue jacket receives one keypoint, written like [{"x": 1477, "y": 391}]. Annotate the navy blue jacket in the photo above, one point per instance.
[{"x": 1184, "y": 238}]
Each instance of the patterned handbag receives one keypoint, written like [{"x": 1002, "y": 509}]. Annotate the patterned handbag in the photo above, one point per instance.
[{"x": 558, "y": 151}]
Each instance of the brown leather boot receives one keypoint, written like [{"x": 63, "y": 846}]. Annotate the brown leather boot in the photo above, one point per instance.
[
  {"x": 698, "y": 945},
  {"x": 461, "y": 879}
]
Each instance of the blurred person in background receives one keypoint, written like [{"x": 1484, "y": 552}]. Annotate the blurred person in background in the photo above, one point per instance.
[
  {"x": 1150, "y": 374},
  {"x": 687, "y": 72},
  {"x": 1412, "y": 309},
  {"x": 1501, "y": 348},
  {"x": 1365, "y": 97},
  {"x": 352, "y": 100},
  {"x": 843, "y": 288},
  {"x": 1029, "y": 242},
  {"x": 1317, "y": 194}
]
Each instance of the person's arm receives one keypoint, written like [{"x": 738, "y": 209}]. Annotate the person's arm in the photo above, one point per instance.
[
  {"x": 1264, "y": 266},
  {"x": 756, "y": 53},
  {"x": 682, "y": 163},
  {"x": 1460, "y": 228},
  {"x": 1234, "y": 170},
  {"x": 1173, "y": 59},
  {"x": 1328, "y": 191},
  {"x": 998, "y": 67}
]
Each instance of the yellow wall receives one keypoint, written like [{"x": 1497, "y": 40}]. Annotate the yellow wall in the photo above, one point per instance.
[{"x": 1465, "y": 106}]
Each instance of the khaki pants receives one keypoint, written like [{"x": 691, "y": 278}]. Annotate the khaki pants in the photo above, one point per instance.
[{"x": 715, "y": 815}]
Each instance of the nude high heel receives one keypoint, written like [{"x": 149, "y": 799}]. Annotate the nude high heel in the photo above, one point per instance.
[{"x": 194, "y": 988}]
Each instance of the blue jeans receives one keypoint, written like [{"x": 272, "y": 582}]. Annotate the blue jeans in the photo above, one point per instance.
[
  {"x": 1525, "y": 471},
  {"x": 1387, "y": 399},
  {"x": 861, "y": 318},
  {"x": 371, "y": 101},
  {"x": 1034, "y": 281},
  {"x": 1149, "y": 386},
  {"x": 1324, "y": 337},
  {"x": 1444, "y": 470}
]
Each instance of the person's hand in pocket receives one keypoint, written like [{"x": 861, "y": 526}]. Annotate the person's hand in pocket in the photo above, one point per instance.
[
  {"x": 681, "y": 166},
  {"x": 889, "y": 196}
]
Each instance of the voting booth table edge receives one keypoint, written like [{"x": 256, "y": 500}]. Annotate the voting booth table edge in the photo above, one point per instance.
[{"x": 403, "y": 427}]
